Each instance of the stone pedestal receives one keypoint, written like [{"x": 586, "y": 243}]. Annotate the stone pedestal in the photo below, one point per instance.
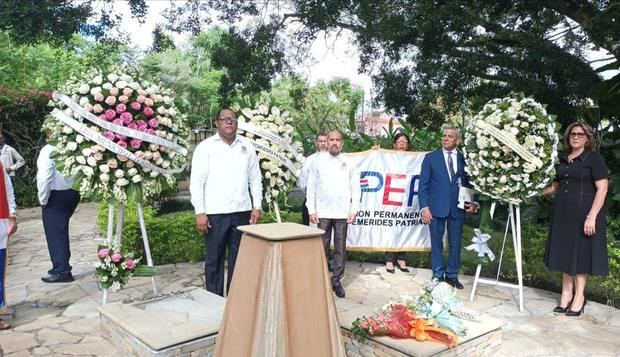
[{"x": 178, "y": 325}]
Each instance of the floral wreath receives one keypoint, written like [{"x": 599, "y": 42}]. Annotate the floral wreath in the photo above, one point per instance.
[
  {"x": 510, "y": 149},
  {"x": 271, "y": 133},
  {"x": 120, "y": 137}
]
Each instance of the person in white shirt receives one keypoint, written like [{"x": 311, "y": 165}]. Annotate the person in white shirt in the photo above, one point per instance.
[
  {"x": 333, "y": 197},
  {"x": 10, "y": 158},
  {"x": 225, "y": 170},
  {"x": 302, "y": 183},
  {"x": 8, "y": 226},
  {"x": 58, "y": 202}
]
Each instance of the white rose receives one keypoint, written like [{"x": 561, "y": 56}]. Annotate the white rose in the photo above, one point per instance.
[
  {"x": 154, "y": 174},
  {"x": 121, "y": 84},
  {"x": 112, "y": 77},
  {"x": 122, "y": 182},
  {"x": 84, "y": 88},
  {"x": 136, "y": 178},
  {"x": 134, "y": 85},
  {"x": 91, "y": 161},
  {"x": 503, "y": 179},
  {"x": 79, "y": 139},
  {"x": 162, "y": 110},
  {"x": 132, "y": 172},
  {"x": 165, "y": 164},
  {"x": 119, "y": 173},
  {"x": 107, "y": 86},
  {"x": 104, "y": 168},
  {"x": 172, "y": 112},
  {"x": 84, "y": 100},
  {"x": 87, "y": 152},
  {"x": 97, "y": 79},
  {"x": 88, "y": 171},
  {"x": 94, "y": 91},
  {"x": 72, "y": 146},
  {"x": 81, "y": 160}
]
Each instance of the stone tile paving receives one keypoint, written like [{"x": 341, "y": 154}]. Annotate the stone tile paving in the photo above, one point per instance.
[{"x": 62, "y": 320}]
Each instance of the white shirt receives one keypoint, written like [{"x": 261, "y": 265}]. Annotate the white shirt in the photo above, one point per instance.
[
  {"x": 11, "y": 158},
  {"x": 302, "y": 183},
  {"x": 10, "y": 194},
  {"x": 454, "y": 160},
  {"x": 333, "y": 187},
  {"x": 48, "y": 178},
  {"x": 221, "y": 175}
]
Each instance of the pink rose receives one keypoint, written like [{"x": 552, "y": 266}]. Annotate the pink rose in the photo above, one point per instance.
[
  {"x": 129, "y": 164},
  {"x": 127, "y": 91},
  {"x": 140, "y": 99},
  {"x": 110, "y": 100},
  {"x": 123, "y": 99},
  {"x": 139, "y": 154},
  {"x": 135, "y": 143},
  {"x": 116, "y": 257},
  {"x": 103, "y": 253},
  {"x": 114, "y": 91},
  {"x": 112, "y": 163},
  {"x": 117, "y": 121},
  {"x": 98, "y": 156},
  {"x": 110, "y": 114},
  {"x": 142, "y": 92},
  {"x": 132, "y": 126},
  {"x": 122, "y": 144},
  {"x": 98, "y": 97},
  {"x": 109, "y": 135},
  {"x": 130, "y": 264},
  {"x": 142, "y": 128},
  {"x": 88, "y": 107},
  {"x": 148, "y": 111},
  {"x": 136, "y": 106},
  {"x": 122, "y": 158},
  {"x": 97, "y": 108},
  {"x": 148, "y": 102},
  {"x": 140, "y": 123},
  {"x": 120, "y": 108},
  {"x": 153, "y": 123},
  {"x": 126, "y": 117},
  {"x": 150, "y": 131}
]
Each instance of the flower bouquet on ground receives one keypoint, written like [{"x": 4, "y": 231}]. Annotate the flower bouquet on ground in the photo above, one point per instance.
[
  {"x": 401, "y": 321},
  {"x": 114, "y": 268}
]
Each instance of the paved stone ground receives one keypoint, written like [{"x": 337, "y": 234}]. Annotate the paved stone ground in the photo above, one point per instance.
[{"x": 62, "y": 319}]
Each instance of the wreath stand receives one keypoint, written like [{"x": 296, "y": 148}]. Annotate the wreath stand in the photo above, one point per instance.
[
  {"x": 116, "y": 238},
  {"x": 514, "y": 223}
]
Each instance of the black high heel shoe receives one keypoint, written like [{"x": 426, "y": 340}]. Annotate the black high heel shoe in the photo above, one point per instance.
[
  {"x": 560, "y": 310},
  {"x": 570, "y": 312},
  {"x": 391, "y": 271}
]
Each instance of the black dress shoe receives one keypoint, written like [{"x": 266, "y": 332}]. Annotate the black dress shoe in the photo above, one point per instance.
[
  {"x": 339, "y": 291},
  {"x": 404, "y": 270},
  {"x": 57, "y": 278},
  {"x": 454, "y": 282},
  {"x": 570, "y": 312}
]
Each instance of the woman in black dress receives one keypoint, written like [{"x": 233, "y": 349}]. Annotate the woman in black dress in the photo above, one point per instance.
[
  {"x": 400, "y": 143},
  {"x": 577, "y": 244}
]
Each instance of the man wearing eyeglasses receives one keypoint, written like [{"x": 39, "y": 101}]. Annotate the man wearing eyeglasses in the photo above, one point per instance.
[{"x": 226, "y": 192}]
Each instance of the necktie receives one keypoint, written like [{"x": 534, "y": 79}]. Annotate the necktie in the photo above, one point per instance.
[{"x": 451, "y": 166}]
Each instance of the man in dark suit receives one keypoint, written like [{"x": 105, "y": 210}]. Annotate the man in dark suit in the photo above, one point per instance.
[{"x": 443, "y": 172}]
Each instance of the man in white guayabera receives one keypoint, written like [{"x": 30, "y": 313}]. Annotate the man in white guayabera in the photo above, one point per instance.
[
  {"x": 333, "y": 197},
  {"x": 224, "y": 172},
  {"x": 321, "y": 146},
  {"x": 10, "y": 158}
]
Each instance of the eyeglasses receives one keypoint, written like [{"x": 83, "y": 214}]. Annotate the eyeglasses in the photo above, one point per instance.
[
  {"x": 577, "y": 135},
  {"x": 228, "y": 120}
]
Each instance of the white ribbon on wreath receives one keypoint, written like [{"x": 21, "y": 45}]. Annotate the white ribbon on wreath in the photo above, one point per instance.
[{"x": 480, "y": 245}]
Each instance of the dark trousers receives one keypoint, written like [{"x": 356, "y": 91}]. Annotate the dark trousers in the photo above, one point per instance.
[
  {"x": 305, "y": 215},
  {"x": 56, "y": 215},
  {"x": 389, "y": 256},
  {"x": 339, "y": 227},
  {"x": 223, "y": 234},
  {"x": 455, "y": 230}
]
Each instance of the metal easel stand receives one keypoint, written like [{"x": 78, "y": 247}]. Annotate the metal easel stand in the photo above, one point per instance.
[
  {"x": 118, "y": 236},
  {"x": 514, "y": 222}
]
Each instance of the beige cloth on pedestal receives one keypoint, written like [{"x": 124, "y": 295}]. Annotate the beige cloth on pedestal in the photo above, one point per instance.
[{"x": 280, "y": 302}]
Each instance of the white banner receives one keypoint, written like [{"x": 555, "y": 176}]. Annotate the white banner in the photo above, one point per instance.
[{"x": 389, "y": 217}]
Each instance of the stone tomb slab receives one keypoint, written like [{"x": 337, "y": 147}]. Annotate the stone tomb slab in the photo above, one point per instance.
[
  {"x": 175, "y": 325},
  {"x": 483, "y": 339}
]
